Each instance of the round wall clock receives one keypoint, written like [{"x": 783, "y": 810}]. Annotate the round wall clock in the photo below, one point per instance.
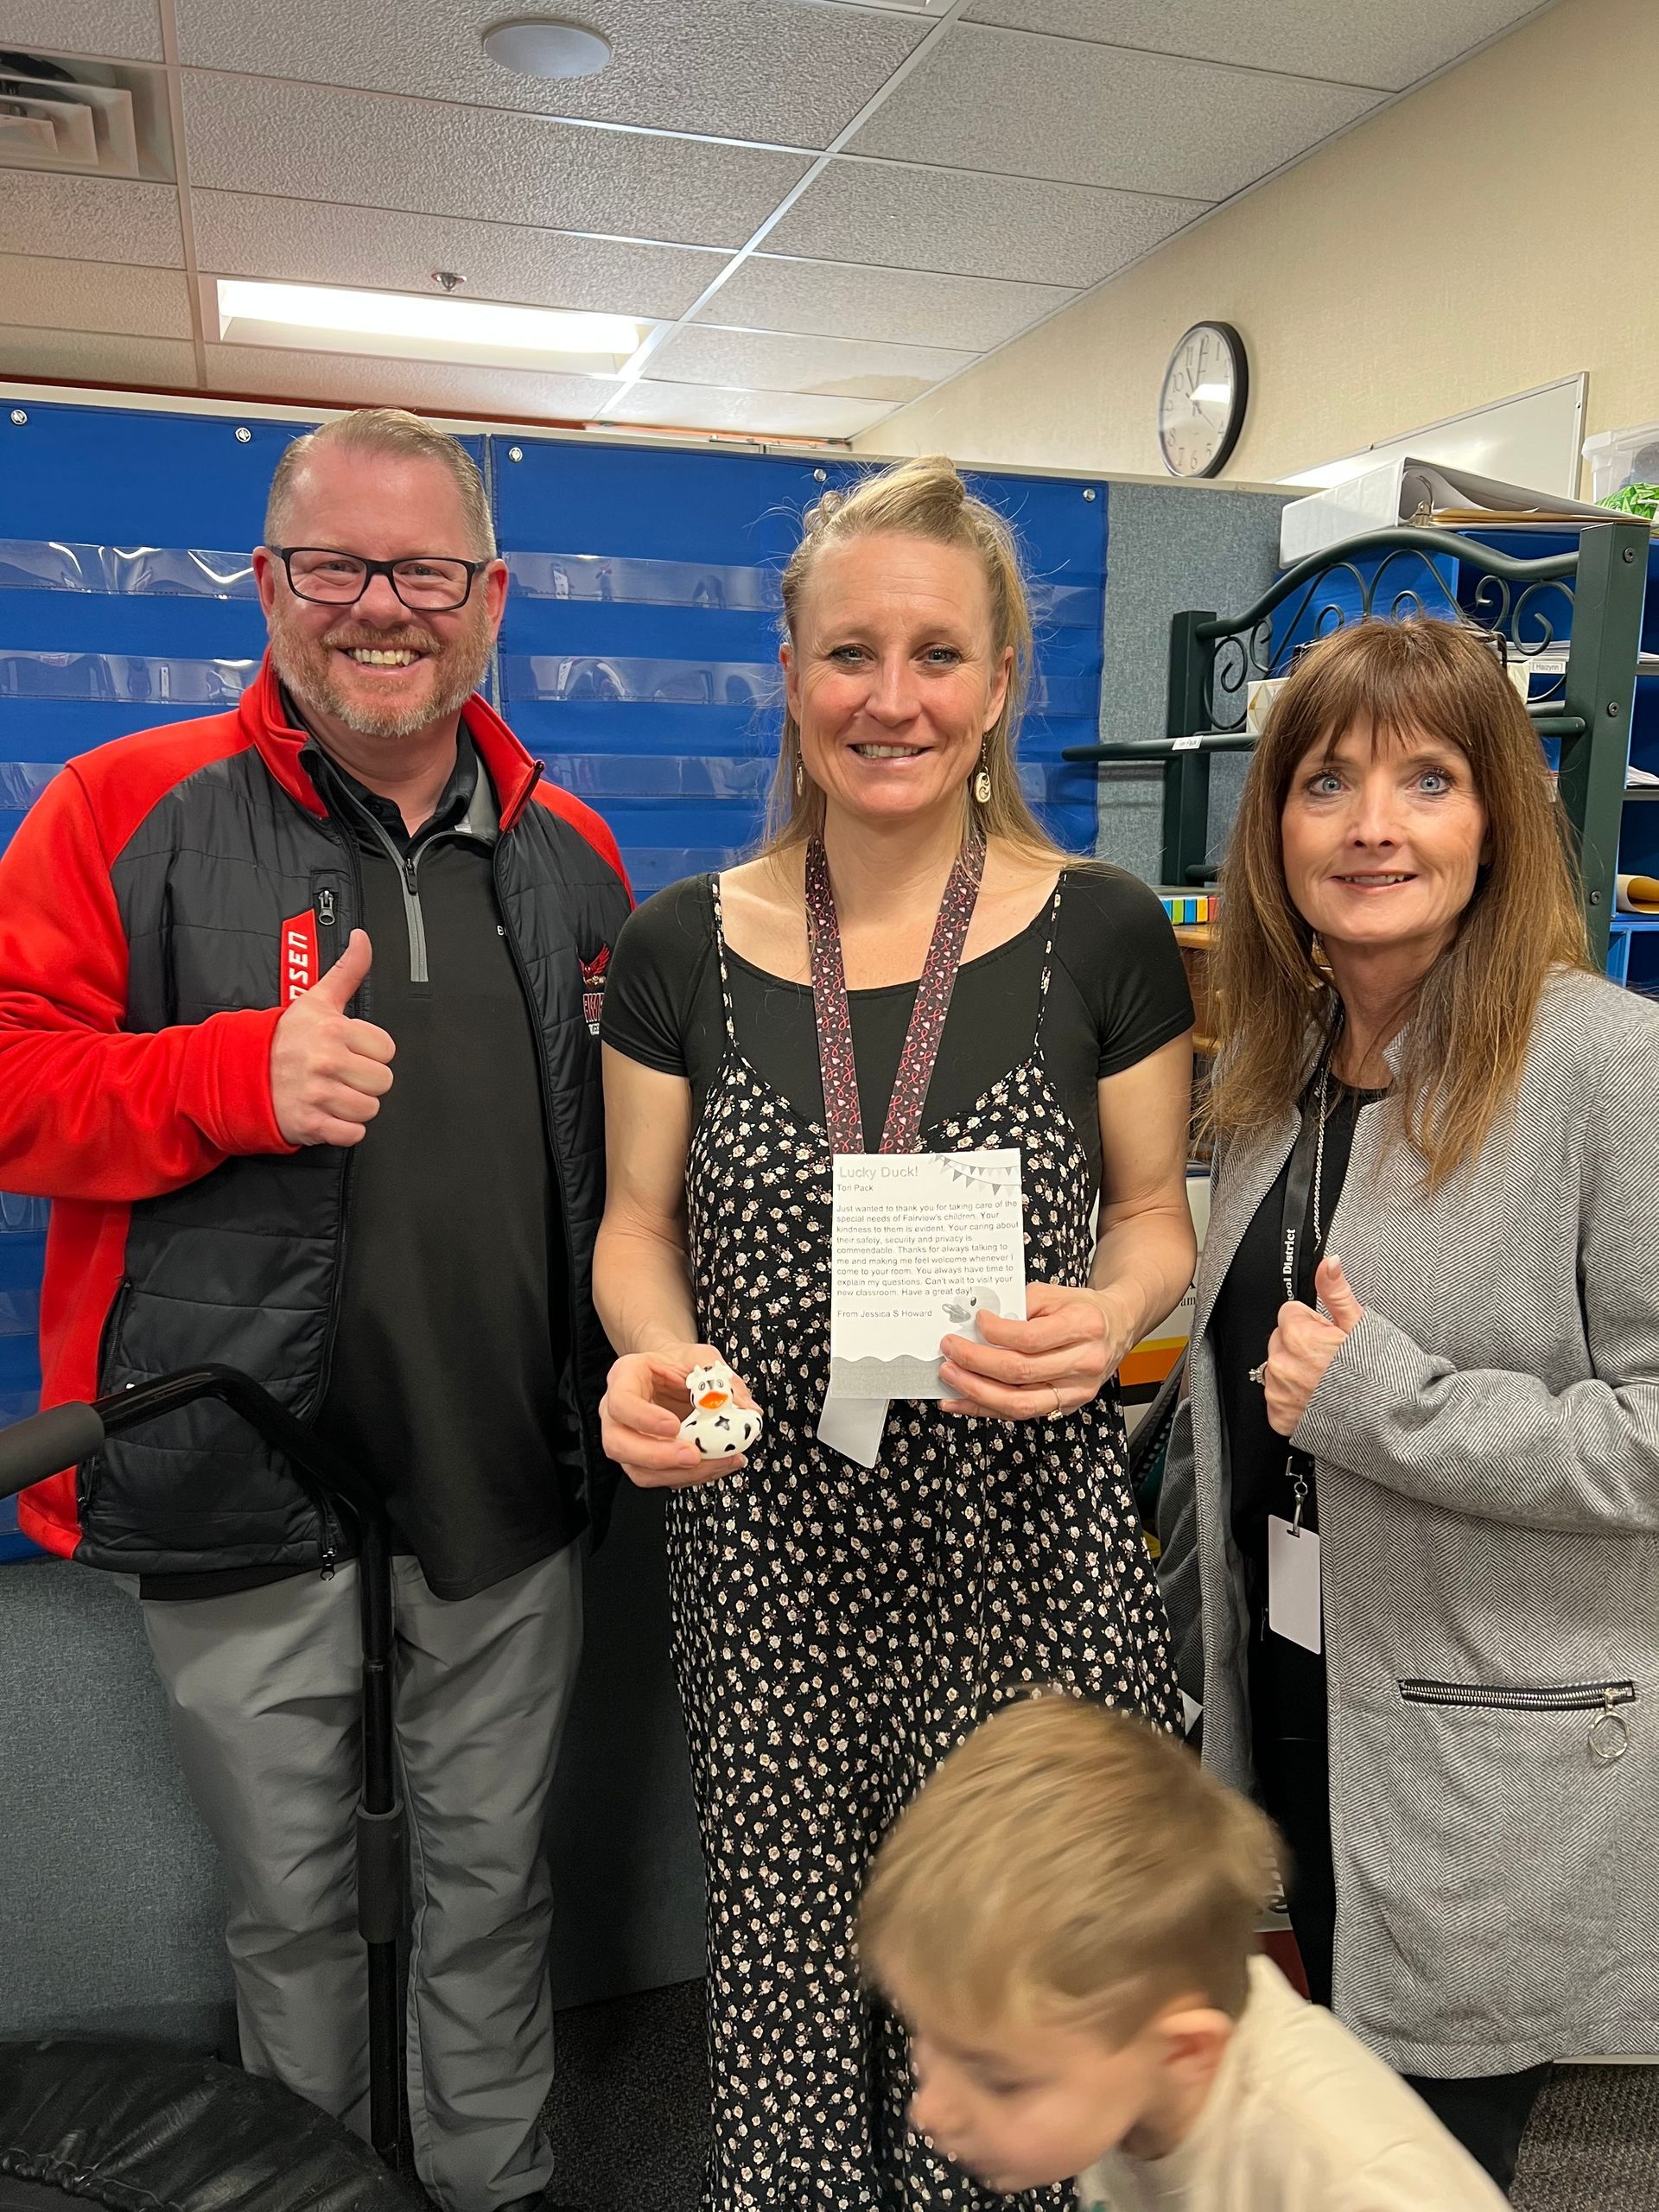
[{"x": 1201, "y": 403}]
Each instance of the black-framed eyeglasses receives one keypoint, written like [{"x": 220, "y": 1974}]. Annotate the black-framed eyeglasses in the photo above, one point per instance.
[{"x": 426, "y": 583}]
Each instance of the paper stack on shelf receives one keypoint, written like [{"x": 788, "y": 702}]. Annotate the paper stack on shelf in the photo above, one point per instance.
[{"x": 1422, "y": 492}]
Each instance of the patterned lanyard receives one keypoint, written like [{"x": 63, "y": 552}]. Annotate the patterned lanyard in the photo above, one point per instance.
[{"x": 835, "y": 1021}]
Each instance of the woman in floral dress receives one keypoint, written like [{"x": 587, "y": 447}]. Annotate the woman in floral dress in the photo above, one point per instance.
[{"x": 908, "y": 964}]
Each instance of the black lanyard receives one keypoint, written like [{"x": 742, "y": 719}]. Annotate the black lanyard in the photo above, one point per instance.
[
  {"x": 1300, "y": 1237},
  {"x": 1298, "y": 1233}
]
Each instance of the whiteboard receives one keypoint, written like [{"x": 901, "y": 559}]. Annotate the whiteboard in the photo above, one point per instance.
[{"x": 1532, "y": 439}]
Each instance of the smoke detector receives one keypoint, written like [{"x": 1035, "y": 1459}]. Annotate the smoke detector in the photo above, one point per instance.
[{"x": 547, "y": 47}]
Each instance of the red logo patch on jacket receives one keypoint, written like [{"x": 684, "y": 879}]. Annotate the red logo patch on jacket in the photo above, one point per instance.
[
  {"x": 298, "y": 961},
  {"x": 593, "y": 985}
]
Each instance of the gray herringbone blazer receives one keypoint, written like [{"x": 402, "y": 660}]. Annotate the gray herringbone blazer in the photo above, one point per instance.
[{"x": 1487, "y": 1448}]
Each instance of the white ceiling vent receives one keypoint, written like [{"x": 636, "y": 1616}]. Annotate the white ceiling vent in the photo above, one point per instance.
[{"x": 99, "y": 118}]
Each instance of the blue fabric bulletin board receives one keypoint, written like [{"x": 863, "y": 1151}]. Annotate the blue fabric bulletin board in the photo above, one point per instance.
[{"x": 637, "y": 659}]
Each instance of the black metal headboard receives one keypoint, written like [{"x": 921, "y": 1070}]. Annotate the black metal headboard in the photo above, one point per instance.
[{"x": 1585, "y": 603}]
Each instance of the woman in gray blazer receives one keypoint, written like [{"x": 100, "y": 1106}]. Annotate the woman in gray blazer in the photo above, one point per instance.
[{"x": 1435, "y": 1123}]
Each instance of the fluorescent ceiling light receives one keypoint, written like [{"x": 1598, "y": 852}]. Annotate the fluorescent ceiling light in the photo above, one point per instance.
[
  {"x": 537, "y": 46},
  {"x": 409, "y": 326}
]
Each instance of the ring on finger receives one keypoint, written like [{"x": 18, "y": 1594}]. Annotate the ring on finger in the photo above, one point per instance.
[
  {"x": 1259, "y": 1374},
  {"x": 1060, "y": 1408}
]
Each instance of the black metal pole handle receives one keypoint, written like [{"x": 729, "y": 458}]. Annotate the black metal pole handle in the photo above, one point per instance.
[{"x": 33, "y": 1449}]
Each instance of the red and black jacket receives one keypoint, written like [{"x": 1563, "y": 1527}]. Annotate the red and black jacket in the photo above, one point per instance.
[{"x": 160, "y": 904}]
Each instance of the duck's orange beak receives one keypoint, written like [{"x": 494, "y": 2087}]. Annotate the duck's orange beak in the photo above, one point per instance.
[{"x": 712, "y": 1399}]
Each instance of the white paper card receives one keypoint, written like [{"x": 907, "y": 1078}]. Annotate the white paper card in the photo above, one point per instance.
[
  {"x": 1294, "y": 1610},
  {"x": 854, "y": 1427},
  {"x": 921, "y": 1244}
]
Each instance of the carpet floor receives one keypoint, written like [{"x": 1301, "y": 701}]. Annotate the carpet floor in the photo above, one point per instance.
[{"x": 629, "y": 2118}]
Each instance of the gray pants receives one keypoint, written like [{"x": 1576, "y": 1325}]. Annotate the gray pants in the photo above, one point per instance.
[{"x": 265, "y": 1690}]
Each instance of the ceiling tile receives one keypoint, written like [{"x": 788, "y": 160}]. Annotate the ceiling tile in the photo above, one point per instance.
[
  {"x": 351, "y": 379},
  {"x": 1390, "y": 46},
  {"x": 90, "y": 219},
  {"x": 98, "y": 358},
  {"x": 953, "y": 222},
  {"x": 93, "y": 296},
  {"x": 911, "y": 306},
  {"x": 1084, "y": 114},
  {"x": 843, "y": 368},
  {"x": 758, "y": 69},
  {"x": 239, "y": 234},
  {"x": 363, "y": 150},
  {"x": 764, "y": 414},
  {"x": 126, "y": 30}
]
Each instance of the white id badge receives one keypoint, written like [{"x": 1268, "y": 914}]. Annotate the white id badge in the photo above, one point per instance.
[{"x": 1293, "y": 1583}]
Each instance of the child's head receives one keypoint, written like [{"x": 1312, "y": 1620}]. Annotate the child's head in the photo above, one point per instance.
[{"x": 1064, "y": 1918}]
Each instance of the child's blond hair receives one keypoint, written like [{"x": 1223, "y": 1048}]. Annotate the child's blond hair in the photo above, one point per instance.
[{"x": 1069, "y": 1865}]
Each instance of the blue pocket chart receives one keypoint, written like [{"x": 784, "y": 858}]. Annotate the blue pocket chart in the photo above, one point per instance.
[{"x": 639, "y": 658}]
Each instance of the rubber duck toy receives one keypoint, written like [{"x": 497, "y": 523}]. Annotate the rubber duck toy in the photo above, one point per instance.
[{"x": 717, "y": 1425}]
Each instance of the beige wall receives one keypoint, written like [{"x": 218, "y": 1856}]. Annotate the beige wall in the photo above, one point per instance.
[{"x": 1495, "y": 230}]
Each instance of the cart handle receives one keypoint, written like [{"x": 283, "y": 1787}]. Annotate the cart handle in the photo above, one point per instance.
[{"x": 33, "y": 1449}]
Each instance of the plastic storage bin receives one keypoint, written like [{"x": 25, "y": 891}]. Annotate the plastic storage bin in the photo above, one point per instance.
[{"x": 1620, "y": 457}]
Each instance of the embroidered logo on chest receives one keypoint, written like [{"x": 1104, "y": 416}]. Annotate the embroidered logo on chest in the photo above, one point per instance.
[
  {"x": 296, "y": 964},
  {"x": 593, "y": 985}
]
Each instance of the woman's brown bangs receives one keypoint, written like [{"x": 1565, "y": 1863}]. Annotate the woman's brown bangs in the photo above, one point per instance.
[{"x": 1396, "y": 697}]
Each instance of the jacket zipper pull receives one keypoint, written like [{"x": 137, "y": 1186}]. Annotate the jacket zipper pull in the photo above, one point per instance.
[
  {"x": 1609, "y": 1737},
  {"x": 325, "y": 908},
  {"x": 408, "y": 873}
]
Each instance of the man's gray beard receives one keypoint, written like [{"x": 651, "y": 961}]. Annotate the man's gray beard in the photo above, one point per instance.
[{"x": 460, "y": 671}]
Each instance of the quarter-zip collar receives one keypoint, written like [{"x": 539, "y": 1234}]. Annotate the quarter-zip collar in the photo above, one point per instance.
[
  {"x": 262, "y": 713},
  {"x": 458, "y": 812},
  {"x": 452, "y": 803}
]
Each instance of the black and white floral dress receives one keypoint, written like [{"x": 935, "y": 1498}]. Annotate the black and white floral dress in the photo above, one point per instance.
[{"x": 838, "y": 1629}]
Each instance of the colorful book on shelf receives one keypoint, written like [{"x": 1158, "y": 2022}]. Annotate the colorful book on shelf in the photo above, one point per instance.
[{"x": 1188, "y": 908}]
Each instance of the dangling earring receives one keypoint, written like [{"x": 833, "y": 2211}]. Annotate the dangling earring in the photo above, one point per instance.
[
  {"x": 983, "y": 783},
  {"x": 800, "y": 776}
]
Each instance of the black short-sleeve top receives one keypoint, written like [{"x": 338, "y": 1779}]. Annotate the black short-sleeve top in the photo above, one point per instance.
[{"x": 1117, "y": 992}]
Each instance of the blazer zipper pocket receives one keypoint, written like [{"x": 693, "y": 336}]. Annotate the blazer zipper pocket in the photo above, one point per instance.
[{"x": 1608, "y": 1739}]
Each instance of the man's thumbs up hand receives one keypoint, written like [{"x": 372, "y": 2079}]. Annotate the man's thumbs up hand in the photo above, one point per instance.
[
  {"x": 344, "y": 980},
  {"x": 328, "y": 1073}
]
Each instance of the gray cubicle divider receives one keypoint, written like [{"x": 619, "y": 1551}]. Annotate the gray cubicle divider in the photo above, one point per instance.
[
  {"x": 1173, "y": 545},
  {"x": 111, "y": 1918}
]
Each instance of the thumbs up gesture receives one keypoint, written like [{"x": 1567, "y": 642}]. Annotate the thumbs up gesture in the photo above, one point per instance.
[
  {"x": 328, "y": 1074},
  {"x": 1304, "y": 1345}
]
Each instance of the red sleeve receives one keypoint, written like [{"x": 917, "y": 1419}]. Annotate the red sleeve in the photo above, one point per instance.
[{"x": 86, "y": 1109}]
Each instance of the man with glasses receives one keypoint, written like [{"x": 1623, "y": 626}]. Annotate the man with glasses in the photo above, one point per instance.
[{"x": 294, "y": 1030}]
